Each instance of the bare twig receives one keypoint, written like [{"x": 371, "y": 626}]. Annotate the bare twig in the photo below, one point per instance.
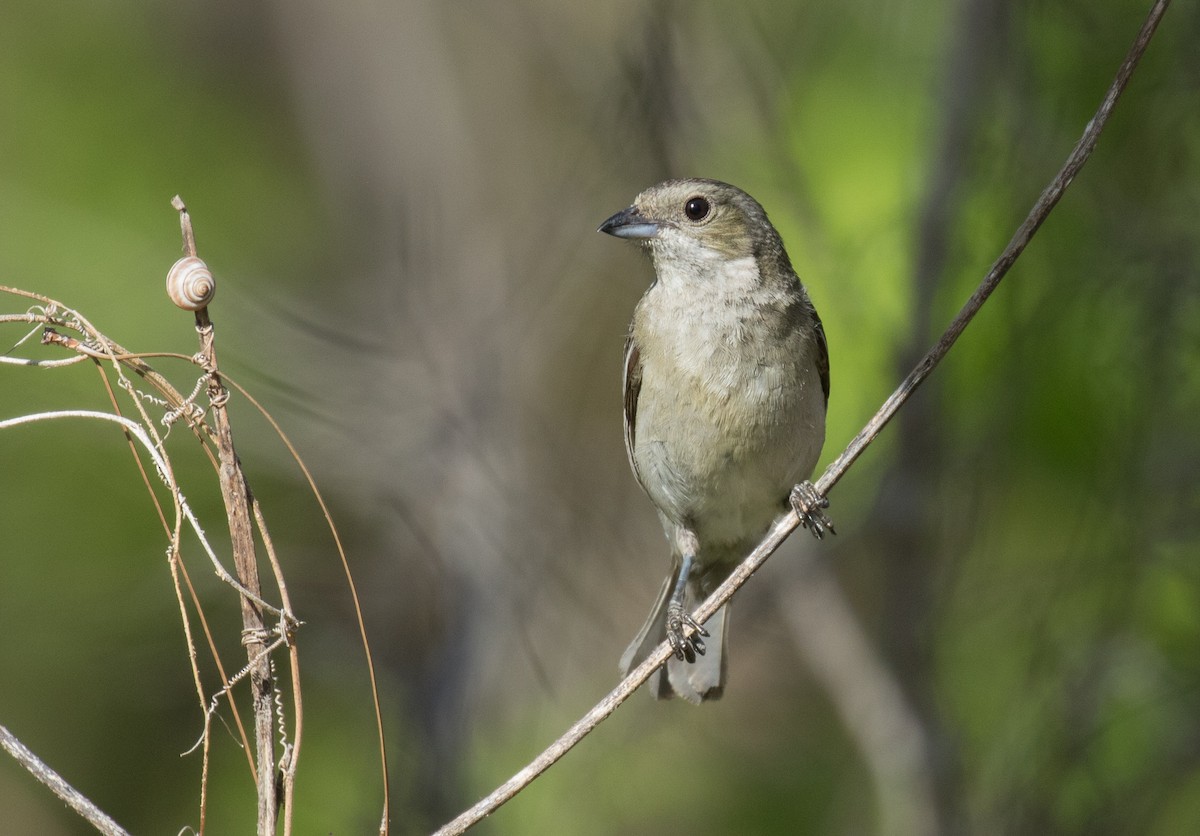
[
  {"x": 1040, "y": 211},
  {"x": 179, "y": 570},
  {"x": 75, "y": 799},
  {"x": 834, "y": 472},
  {"x": 289, "y": 773},
  {"x": 51, "y": 315},
  {"x": 57, "y": 324},
  {"x": 55, "y": 321},
  {"x": 235, "y": 492}
]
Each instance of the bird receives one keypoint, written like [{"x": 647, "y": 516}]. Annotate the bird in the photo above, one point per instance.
[{"x": 726, "y": 384}]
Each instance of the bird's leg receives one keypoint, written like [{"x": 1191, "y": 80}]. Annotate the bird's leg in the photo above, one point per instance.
[
  {"x": 810, "y": 508},
  {"x": 684, "y": 632}
]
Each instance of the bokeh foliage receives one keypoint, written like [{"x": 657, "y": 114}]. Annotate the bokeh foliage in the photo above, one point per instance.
[{"x": 399, "y": 203}]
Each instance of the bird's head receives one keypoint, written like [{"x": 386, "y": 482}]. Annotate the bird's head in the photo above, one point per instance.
[{"x": 696, "y": 219}]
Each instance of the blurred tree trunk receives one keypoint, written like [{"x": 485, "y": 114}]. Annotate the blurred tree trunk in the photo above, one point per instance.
[{"x": 909, "y": 512}]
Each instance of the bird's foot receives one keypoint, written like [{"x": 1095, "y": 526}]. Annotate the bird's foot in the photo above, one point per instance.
[
  {"x": 684, "y": 633},
  {"x": 810, "y": 508}
]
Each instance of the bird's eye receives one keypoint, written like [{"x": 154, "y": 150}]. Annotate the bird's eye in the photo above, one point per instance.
[{"x": 696, "y": 208}]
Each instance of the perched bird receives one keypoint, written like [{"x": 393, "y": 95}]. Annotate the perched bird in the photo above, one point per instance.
[{"x": 726, "y": 384}]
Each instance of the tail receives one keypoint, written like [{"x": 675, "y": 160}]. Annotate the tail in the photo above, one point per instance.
[{"x": 697, "y": 681}]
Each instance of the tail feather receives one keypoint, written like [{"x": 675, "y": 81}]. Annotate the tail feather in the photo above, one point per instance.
[
  {"x": 696, "y": 681},
  {"x": 653, "y": 631}
]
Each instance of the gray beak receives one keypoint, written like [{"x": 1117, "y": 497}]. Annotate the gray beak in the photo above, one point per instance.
[{"x": 630, "y": 223}]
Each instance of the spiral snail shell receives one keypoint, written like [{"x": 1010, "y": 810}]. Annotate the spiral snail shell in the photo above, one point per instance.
[{"x": 190, "y": 283}]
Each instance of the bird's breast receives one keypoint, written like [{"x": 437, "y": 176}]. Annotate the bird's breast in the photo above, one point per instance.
[{"x": 731, "y": 413}]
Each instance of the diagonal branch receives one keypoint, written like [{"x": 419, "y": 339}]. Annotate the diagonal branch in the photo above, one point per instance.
[
  {"x": 789, "y": 522},
  {"x": 1040, "y": 211},
  {"x": 74, "y": 799}
]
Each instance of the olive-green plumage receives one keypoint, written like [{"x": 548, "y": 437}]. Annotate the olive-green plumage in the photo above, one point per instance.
[{"x": 726, "y": 383}]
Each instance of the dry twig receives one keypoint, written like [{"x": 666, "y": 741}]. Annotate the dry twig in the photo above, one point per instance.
[
  {"x": 75, "y": 799},
  {"x": 236, "y": 494},
  {"x": 834, "y": 472}
]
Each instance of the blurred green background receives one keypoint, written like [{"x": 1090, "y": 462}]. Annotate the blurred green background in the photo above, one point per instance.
[{"x": 400, "y": 202}]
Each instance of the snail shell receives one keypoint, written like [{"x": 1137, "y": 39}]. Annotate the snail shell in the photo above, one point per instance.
[{"x": 190, "y": 284}]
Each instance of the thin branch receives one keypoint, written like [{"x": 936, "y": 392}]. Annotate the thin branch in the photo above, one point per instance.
[
  {"x": 98, "y": 347},
  {"x": 132, "y": 427},
  {"x": 790, "y": 522},
  {"x": 75, "y": 799},
  {"x": 177, "y": 568},
  {"x": 235, "y": 491},
  {"x": 1040, "y": 211},
  {"x": 353, "y": 587},
  {"x": 52, "y": 315},
  {"x": 47, "y": 364},
  {"x": 291, "y": 757}
]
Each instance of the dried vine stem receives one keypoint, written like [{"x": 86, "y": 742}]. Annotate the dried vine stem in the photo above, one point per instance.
[
  {"x": 289, "y": 769},
  {"x": 790, "y": 522},
  {"x": 235, "y": 493},
  {"x": 51, "y": 315},
  {"x": 75, "y": 799}
]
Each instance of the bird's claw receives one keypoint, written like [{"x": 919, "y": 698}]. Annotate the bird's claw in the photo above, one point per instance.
[
  {"x": 685, "y": 634},
  {"x": 810, "y": 508}
]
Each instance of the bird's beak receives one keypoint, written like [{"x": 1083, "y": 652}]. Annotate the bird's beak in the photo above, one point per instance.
[{"x": 630, "y": 223}]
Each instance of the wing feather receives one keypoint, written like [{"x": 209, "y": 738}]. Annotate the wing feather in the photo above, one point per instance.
[
  {"x": 822, "y": 355},
  {"x": 633, "y": 388}
]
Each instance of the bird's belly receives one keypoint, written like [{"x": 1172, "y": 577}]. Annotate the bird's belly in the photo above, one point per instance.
[{"x": 720, "y": 459}]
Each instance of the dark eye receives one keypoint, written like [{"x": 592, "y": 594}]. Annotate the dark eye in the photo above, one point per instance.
[{"x": 696, "y": 208}]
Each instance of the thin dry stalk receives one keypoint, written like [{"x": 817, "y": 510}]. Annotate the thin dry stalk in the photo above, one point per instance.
[
  {"x": 289, "y": 772},
  {"x": 56, "y": 322},
  {"x": 235, "y": 492},
  {"x": 75, "y": 799}
]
